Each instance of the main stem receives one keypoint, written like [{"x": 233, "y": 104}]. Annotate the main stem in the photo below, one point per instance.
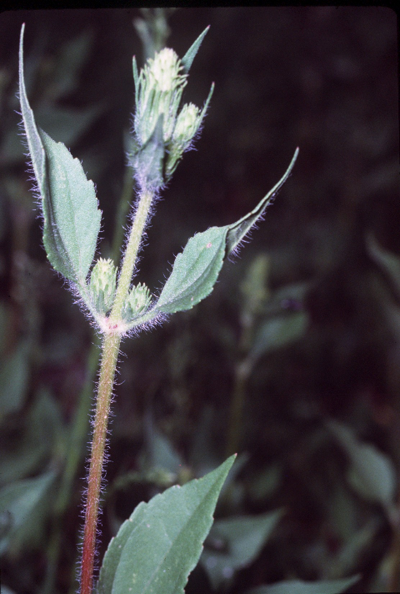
[{"x": 111, "y": 344}]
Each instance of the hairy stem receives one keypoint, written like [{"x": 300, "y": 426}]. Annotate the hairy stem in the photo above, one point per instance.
[
  {"x": 107, "y": 372},
  {"x": 130, "y": 256},
  {"x": 111, "y": 344}
]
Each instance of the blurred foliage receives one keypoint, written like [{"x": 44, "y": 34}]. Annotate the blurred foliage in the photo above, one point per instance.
[{"x": 294, "y": 359}]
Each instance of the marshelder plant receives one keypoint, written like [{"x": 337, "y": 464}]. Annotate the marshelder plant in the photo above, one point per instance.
[{"x": 157, "y": 548}]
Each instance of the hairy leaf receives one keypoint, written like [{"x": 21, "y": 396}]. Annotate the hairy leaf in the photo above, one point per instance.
[
  {"x": 157, "y": 548},
  {"x": 195, "y": 271},
  {"x": 238, "y": 230},
  {"x": 70, "y": 211}
]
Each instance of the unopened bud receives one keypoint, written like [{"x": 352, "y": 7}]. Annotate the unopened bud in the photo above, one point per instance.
[
  {"x": 138, "y": 301},
  {"x": 187, "y": 125},
  {"x": 102, "y": 285},
  {"x": 159, "y": 92}
]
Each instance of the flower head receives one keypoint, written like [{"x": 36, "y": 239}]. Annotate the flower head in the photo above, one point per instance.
[
  {"x": 102, "y": 284},
  {"x": 139, "y": 300},
  {"x": 160, "y": 89}
]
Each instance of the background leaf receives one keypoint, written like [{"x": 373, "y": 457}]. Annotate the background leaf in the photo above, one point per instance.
[
  {"x": 36, "y": 441},
  {"x": 300, "y": 587},
  {"x": 278, "y": 332},
  {"x": 371, "y": 473},
  {"x": 387, "y": 261},
  {"x": 241, "y": 540},
  {"x": 14, "y": 375},
  {"x": 19, "y": 501}
]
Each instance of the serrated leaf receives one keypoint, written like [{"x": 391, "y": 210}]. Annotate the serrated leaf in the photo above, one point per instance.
[
  {"x": 300, "y": 587},
  {"x": 70, "y": 211},
  {"x": 190, "y": 55},
  {"x": 195, "y": 271},
  {"x": 237, "y": 231},
  {"x": 165, "y": 539},
  {"x": 71, "y": 205},
  {"x": 242, "y": 539},
  {"x": 371, "y": 473}
]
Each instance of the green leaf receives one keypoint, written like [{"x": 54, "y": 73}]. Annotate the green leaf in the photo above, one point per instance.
[
  {"x": 242, "y": 538},
  {"x": 190, "y": 55},
  {"x": 19, "y": 501},
  {"x": 195, "y": 271},
  {"x": 35, "y": 146},
  {"x": 71, "y": 207},
  {"x": 157, "y": 548},
  {"x": 238, "y": 230},
  {"x": 300, "y": 587},
  {"x": 114, "y": 551},
  {"x": 371, "y": 473},
  {"x": 70, "y": 212}
]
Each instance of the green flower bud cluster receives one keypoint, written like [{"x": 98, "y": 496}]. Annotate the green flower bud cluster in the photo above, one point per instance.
[
  {"x": 187, "y": 125},
  {"x": 102, "y": 285},
  {"x": 138, "y": 301},
  {"x": 159, "y": 92},
  {"x": 159, "y": 89}
]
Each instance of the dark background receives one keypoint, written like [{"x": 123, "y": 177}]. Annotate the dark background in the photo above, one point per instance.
[{"x": 321, "y": 78}]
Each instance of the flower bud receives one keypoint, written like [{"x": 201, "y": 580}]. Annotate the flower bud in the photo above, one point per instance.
[
  {"x": 139, "y": 300},
  {"x": 187, "y": 125},
  {"x": 160, "y": 86},
  {"x": 102, "y": 285}
]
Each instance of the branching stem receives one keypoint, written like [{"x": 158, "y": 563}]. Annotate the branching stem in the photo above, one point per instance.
[{"x": 110, "y": 349}]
